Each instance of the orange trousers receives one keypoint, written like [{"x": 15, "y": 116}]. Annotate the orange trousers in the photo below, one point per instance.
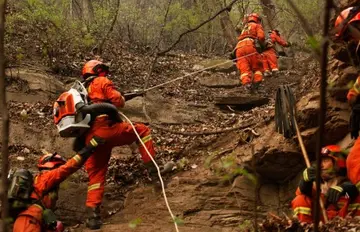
[
  {"x": 270, "y": 60},
  {"x": 249, "y": 64},
  {"x": 118, "y": 134},
  {"x": 302, "y": 207}
]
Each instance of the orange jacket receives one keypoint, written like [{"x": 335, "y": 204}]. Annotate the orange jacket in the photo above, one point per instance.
[
  {"x": 254, "y": 31},
  {"x": 354, "y": 91},
  {"x": 102, "y": 89},
  {"x": 275, "y": 38},
  {"x": 353, "y": 164},
  {"x": 46, "y": 188}
]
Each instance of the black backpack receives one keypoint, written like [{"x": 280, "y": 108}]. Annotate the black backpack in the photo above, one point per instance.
[{"x": 19, "y": 192}]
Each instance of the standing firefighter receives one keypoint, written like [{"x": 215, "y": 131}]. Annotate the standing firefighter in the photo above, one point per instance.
[
  {"x": 249, "y": 61},
  {"x": 54, "y": 169},
  {"x": 347, "y": 25},
  {"x": 269, "y": 55},
  {"x": 100, "y": 90},
  {"x": 341, "y": 196}
]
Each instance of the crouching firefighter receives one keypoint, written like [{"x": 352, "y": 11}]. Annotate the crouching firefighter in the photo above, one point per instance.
[
  {"x": 100, "y": 91},
  {"x": 340, "y": 196},
  {"x": 32, "y": 200}
]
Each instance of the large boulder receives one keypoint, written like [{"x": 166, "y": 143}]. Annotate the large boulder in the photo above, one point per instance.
[
  {"x": 31, "y": 86},
  {"x": 161, "y": 110},
  {"x": 216, "y": 65},
  {"x": 219, "y": 81}
]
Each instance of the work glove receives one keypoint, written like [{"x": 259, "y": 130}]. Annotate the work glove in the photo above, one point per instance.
[
  {"x": 355, "y": 121},
  {"x": 309, "y": 174},
  {"x": 79, "y": 143},
  {"x": 86, "y": 152},
  {"x": 336, "y": 192}
]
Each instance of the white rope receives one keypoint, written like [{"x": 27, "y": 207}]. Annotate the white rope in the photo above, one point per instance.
[
  {"x": 201, "y": 70},
  {"x": 158, "y": 170}
]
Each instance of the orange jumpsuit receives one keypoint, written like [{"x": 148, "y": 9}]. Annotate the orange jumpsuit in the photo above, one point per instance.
[
  {"x": 248, "y": 59},
  {"x": 353, "y": 164},
  {"x": 101, "y": 89},
  {"x": 269, "y": 55},
  {"x": 302, "y": 206},
  {"x": 353, "y": 158},
  {"x": 46, "y": 182}
]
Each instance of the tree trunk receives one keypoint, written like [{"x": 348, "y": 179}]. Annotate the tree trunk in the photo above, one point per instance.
[
  {"x": 269, "y": 13},
  {"x": 5, "y": 125},
  {"x": 87, "y": 11},
  {"x": 226, "y": 25}
]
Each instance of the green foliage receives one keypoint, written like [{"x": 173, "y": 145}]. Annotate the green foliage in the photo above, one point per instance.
[
  {"x": 179, "y": 221},
  {"x": 246, "y": 226},
  {"x": 227, "y": 167},
  {"x": 134, "y": 223}
]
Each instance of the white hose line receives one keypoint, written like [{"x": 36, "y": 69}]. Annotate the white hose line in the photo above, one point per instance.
[
  {"x": 158, "y": 170},
  {"x": 201, "y": 70}
]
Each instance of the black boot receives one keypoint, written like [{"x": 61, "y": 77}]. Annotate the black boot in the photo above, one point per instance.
[{"x": 93, "y": 222}]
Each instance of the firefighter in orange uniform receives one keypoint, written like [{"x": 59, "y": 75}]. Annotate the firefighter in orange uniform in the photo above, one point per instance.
[
  {"x": 269, "y": 55},
  {"x": 341, "y": 197},
  {"x": 347, "y": 26},
  {"x": 54, "y": 169},
  {"x": 249, "y": 61},
  {"x": 101, "y": 89}
]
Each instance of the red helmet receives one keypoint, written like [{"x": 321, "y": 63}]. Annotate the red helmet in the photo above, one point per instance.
[
  {"x": 337, "y": 154},
  {"x": 50, "y": 161},
  {"x": 253, "y": 17},
  {"x": 341, "y": 24},
  {"x": 94, "y": 68}
]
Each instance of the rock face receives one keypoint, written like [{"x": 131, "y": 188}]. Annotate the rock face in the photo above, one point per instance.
[
  {"x": 285, "y": 63},
  {"x": 277, "y": 160},
  {"x": 206, "y": 203},
  {"x": 342, "y": 76},
  {"x": 336, "y": 126},
  {"x": 33, "y": 86}
]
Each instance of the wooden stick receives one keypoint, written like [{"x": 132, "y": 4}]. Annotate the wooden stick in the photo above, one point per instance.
[{"x": 307, "y": 161}]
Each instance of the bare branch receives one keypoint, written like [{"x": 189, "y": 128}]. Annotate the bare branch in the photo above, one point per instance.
[
  {"x": 322, "y": 113},
  {"x": 305, "y": 26},
  {"x": 155, "y": 54},
  {"x": 227, "y": 8},
  {"x": 100, "y": 45}
]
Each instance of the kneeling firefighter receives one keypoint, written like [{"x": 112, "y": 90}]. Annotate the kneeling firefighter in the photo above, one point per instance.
[
  {"x": 32, "y": 200},
  {"x": 340, "y": 196}
]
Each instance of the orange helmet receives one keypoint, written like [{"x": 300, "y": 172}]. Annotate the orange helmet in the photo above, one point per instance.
[
  {"x": 341, "y": 21},
  {"x": 50, "y": 161},
  {"x": 337, "y": 154},
  {"x": 253, "y": 17},
  {"x": 94, "y": 68}
]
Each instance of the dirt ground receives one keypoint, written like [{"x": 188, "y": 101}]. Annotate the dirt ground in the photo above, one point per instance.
[{"x": 197, "y": 195}]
